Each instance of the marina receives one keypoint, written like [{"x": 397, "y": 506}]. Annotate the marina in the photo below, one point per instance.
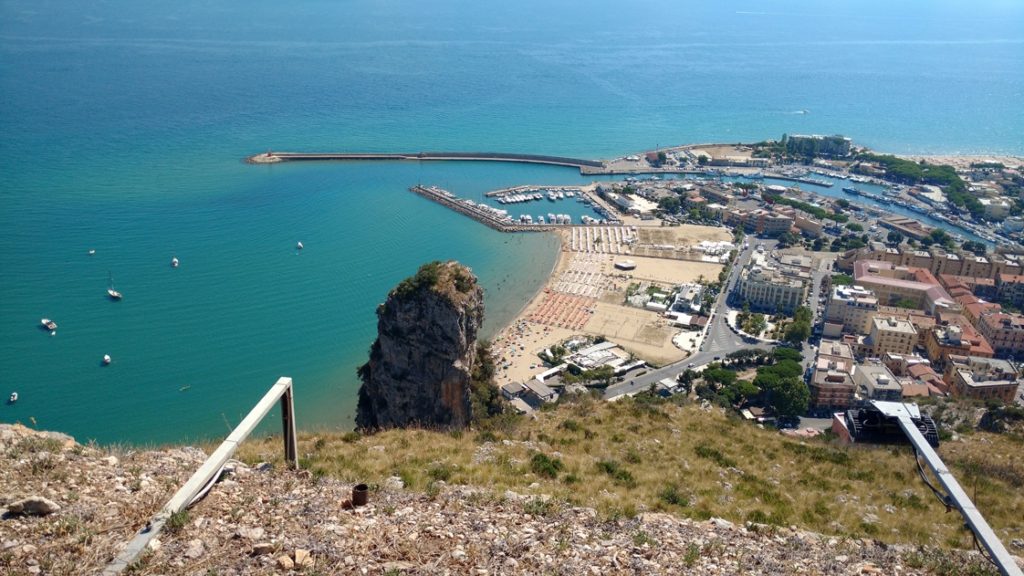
[{"x": 500, "y": 220}]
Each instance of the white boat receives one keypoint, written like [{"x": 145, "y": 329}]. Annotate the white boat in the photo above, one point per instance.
[
  {"x": 91, "y": 252},
  {"x": 48, "y": 324},
  {"x": 174, "y": 262},
  {"x": 114, "y": 294},
  {"x": 299, "y": 246},
  {"x": 13, "y": 398},
  {"x": 106, "y": 359}
]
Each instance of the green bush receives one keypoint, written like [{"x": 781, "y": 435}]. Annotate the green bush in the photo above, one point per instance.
[{"x": 543, "y": 465}]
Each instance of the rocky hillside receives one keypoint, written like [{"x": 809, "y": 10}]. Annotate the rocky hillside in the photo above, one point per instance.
[
  {"x": 262, "y": 520},
  {"x": 421, "y": 364}
]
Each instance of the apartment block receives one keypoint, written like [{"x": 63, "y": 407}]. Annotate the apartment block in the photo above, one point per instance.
[
  {"x": 853, "y": 307},
  {"x": 893, "y": 284},
  {"x": 981, "y": 378},
  {"x": 891, "y": 334},
  {"x": 831, "y": 383},
  {"x": 956, "y": 337},
  {"x": 876, "y": 382},
  {"x": 1004, "y": 332}
]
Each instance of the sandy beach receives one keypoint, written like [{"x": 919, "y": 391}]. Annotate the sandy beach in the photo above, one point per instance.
[
  {"x": 965, "y": 161},
  {"x": 585, "y": 296}
]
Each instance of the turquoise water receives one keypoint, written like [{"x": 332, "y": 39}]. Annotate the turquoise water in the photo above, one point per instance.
[{"x": 124, "y": 124}]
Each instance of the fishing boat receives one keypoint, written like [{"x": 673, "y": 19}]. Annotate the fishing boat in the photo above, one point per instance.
[
  {"x": 13, "y": 398},
  {"x": 106, "y": 359},
  {"x": 114, "y": 294},
  {"x": 174, "y": 262},
  {"x": 48, "y": 324}
]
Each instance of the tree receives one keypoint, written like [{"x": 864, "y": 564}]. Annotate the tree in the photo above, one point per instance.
[
  {"x": 787, "y": 239},
  {"x": 788, "y": 397},
  {"x": 715, "y": 374},
  {"x": 976, "y": 248},
  {"x": 842, "y": 280},
  {"x": 854, "y": 227},
  {"x": 906, "y": 303},
  {"x": 818, "y": 245},
  {"x": 670, "y": 204},
  {"x": 894, "y": 237},
  {"x": 780, "y": 353},
  {"x": 799, "y": 330},
  {"x": 842, "y": 203}
]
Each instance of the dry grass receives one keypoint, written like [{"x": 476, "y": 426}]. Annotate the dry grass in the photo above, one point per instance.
[{"x": 631, "y": 456}]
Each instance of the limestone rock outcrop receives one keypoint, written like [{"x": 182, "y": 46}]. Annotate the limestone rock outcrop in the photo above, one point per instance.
[{"x": 421, "y": 364}]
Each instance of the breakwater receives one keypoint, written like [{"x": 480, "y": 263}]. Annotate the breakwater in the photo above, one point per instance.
[{"x": 274, "y": 157}]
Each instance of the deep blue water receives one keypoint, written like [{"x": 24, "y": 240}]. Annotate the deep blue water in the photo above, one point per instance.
[{"x": 123, "y": 126}]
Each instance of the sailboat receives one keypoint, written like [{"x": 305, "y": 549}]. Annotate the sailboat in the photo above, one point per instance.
[{"x": 114, "y": 294}]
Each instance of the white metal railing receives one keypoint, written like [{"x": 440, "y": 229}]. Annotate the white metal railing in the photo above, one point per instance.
[{"x": 210, "y": 470}]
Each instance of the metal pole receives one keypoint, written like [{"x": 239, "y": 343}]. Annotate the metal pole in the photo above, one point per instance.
[
  {"x": 1002, "y": 558},
  {"x": 211, "y": 467},
  {"x": 291, "y": 450}
]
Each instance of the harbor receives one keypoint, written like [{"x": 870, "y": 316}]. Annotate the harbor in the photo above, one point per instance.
[{"x": 499, "y": 219}]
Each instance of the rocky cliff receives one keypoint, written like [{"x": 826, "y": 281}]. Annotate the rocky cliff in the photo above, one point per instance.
[{"x": 421, "y": 364}]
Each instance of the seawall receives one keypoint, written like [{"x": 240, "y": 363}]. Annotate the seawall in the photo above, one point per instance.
[{"x": 275, "y": 157}]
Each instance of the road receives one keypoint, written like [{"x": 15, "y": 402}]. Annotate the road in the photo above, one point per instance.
[{"x": 719, "y": 341}]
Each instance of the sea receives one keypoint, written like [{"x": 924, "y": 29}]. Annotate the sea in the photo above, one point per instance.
[{"x": 124, "y": 125}]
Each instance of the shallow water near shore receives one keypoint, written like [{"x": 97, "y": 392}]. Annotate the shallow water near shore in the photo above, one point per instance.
[{"x": 124, "y": 127}]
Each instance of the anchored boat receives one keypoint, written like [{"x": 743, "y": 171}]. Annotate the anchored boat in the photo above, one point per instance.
[{"x": 114, "y": 294}]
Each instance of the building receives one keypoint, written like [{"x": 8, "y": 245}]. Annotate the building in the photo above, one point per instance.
[
  {"x": 937, "y": 261},
  {"x": 512, "y": 390},
  {"x": 981, "y": 378},
  {"x": 1004, "y": 332},
  {"x": 876, "y": 382},
  {"x": 831, "y": 384},
  {"x": 538, "y": 393},
  {"x": 902, "y": 285},
  {"x": 805, "y": 223},
  {"x": 815, "y": 145},
  {"x": 770, "y": 287},
  {"x": 955, "y": 337},
  {"x": 995, "y": 208},
  {"x": 853, "y": 307},
  {"x": 974, "y": 308},
  {"x": 758, "y": 221},
  {"x": 688, "y": 299},
  {"x": 906, "y": 226},
  {"x": 1010, "y": 288},
  {"x": 891, "y": 334}
]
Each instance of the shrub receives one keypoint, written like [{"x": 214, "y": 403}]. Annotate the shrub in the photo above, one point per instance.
[
  {"x": 543, "y": 465},
  {"x": 618, "y": 473}
]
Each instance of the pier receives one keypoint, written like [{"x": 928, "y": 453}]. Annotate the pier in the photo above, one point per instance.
[{"x": 484, "y": 214}]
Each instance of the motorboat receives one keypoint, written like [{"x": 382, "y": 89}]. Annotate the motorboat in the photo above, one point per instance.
[
  {"x": 92, "y": 252},
  {"x": 13, "y": 398},
  {"x": 48, "y": 324},
  {"x": 299, "y": 246},
  {"x": 106, "y": 359},
  {"x": 174, "y": 262}
]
